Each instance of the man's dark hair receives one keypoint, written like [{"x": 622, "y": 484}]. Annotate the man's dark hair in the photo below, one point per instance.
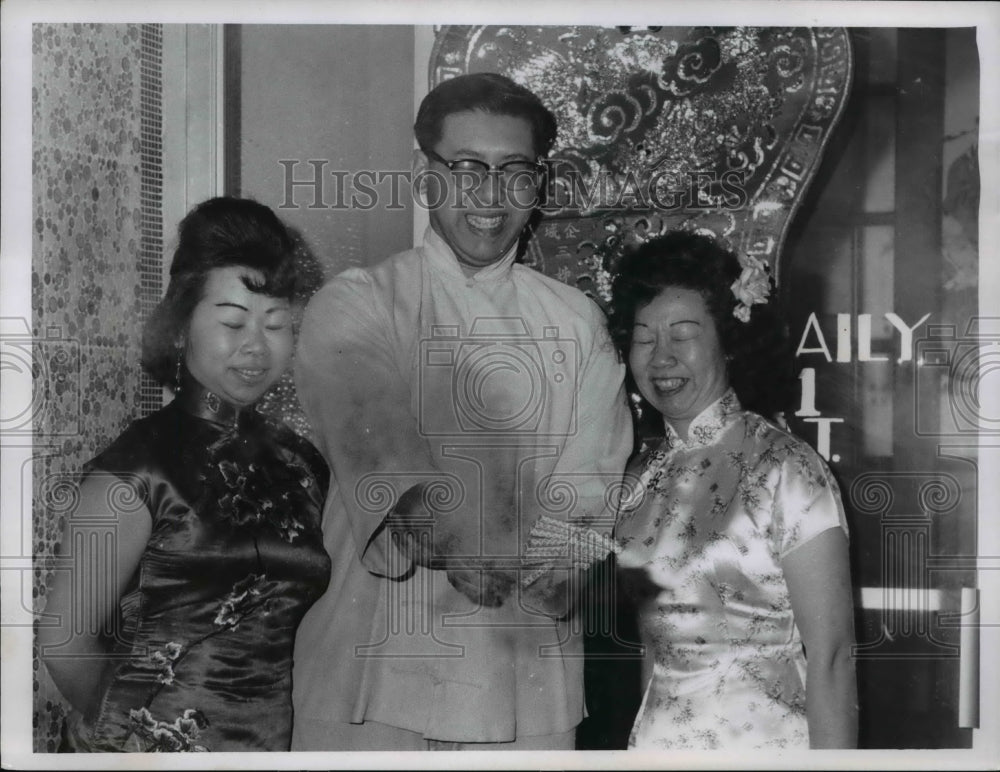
[{"x": 489, "y": 93}]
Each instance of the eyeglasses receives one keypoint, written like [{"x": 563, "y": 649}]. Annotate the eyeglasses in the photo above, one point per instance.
[{"x": 515, "y": 175}]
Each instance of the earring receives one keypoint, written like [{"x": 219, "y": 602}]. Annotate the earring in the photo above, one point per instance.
[{"x": 177, "y": 371}]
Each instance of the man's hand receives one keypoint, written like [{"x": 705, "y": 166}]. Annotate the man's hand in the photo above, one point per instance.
[
  {"x": 485, "y": 587},
  {"x": 414, "y": 529},
  {"x": 413, "y": 542},
  {"x": 418, "y": 535}
]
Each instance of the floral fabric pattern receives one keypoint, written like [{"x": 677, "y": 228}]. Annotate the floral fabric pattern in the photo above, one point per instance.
[
  {"x": 702, "y": 536},
  {"x": 178, "y": 736},
  {"x": 234, "y": 559},
  {"x": 162, "y": 661},
  {"x": 250, "y": 486},
  {"x": 244, "y": 599}
]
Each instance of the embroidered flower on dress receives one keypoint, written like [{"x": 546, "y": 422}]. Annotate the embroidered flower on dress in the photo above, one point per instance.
[
  {"x": 260, "y": 493},
  {"x": 163, "y": 737},
  {"x": 163, "y": 660},
  {"x": 704, "y": 434},
  {"x": 753, "y": 286},
  {"x": 242, "y": 600},
  {"x": 718, "y": 507}
]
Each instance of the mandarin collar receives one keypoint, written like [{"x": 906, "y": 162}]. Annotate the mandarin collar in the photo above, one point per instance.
[
  {"x": 441, "y": 258},
  {"x": 708, "y": 424},
  {"x": 196, "y": 400}
]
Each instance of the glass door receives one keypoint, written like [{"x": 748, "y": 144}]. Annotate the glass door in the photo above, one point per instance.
[{"x": 881, "y": 276}]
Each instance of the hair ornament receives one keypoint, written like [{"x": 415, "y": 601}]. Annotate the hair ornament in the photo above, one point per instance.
[{"x": 753, "y": 286}]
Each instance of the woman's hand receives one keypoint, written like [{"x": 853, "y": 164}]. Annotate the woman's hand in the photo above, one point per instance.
[
  {"x": 81, "y": 608},
  {"x": 819, "y": 583}
]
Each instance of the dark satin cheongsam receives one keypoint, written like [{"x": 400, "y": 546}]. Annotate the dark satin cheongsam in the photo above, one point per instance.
[{"x": 203, "y": 656}]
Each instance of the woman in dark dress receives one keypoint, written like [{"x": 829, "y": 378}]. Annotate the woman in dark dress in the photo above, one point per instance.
[{"x": 196, "y": 541}]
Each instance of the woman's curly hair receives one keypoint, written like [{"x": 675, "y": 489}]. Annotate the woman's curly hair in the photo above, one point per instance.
[
  {"x": 217, "y": 233},
  {"x": 758, "y": 356}
]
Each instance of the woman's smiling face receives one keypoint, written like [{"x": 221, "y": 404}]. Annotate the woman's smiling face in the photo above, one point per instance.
[
  {"x": 239, "y": 342},
  {"x": 676, "y": 357}
]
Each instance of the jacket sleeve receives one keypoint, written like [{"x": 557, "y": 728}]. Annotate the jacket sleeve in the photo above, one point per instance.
[
  {"x": 594, "y": 456},
  {"x": 353, "y": 392},
  {"x": 577, "y": 505}
]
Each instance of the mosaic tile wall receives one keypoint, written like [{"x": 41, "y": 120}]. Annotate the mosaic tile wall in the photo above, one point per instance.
[{"x": 95, "y": 265}]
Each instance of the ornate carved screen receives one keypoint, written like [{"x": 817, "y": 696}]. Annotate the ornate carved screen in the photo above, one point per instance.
[{"x": 665, "y": 127}]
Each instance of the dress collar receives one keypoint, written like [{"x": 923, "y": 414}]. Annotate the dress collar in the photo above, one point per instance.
[
  {"x": 441, "y": 258},
  {"x": 195, "y": 399},
  {"x": 708, "y": 424}
]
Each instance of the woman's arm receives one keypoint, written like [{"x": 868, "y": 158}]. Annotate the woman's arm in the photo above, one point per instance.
[
  {"x": 819, "y": 583},
  {"x": 84, "y": 596}
]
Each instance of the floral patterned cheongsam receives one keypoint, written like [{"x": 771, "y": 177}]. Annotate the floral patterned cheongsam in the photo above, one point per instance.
[
  {"x": 202, "y": 659},
  {"x": 702, "y": 539}
]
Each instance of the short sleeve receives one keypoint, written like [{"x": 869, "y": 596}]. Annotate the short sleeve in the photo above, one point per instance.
[{"x": 807, "y": 501}]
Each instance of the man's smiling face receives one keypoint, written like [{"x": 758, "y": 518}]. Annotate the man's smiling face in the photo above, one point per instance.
[{"x": 479, "y": 223}]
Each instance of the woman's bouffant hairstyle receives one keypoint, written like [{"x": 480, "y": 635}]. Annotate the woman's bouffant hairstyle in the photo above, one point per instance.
[
  {"x": 490, "y": 93},
  {"x": 758, "y": 356},
  {"x": 217, "y": 233}
]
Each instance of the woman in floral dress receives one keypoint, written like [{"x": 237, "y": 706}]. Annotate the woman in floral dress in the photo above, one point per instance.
[
  {"x": 196, "y": 545},
  {"x": 733, "y": 537}
]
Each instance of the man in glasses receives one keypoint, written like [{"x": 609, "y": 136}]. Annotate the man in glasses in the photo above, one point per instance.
[
  {"x": 473, "y": 416},
  {"x": 478, "y": 171}
]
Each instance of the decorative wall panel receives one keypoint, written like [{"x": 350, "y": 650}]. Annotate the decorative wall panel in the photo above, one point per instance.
[
  {"x": 96, "y": 266},
  {"x": 664, "y": 127}
]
